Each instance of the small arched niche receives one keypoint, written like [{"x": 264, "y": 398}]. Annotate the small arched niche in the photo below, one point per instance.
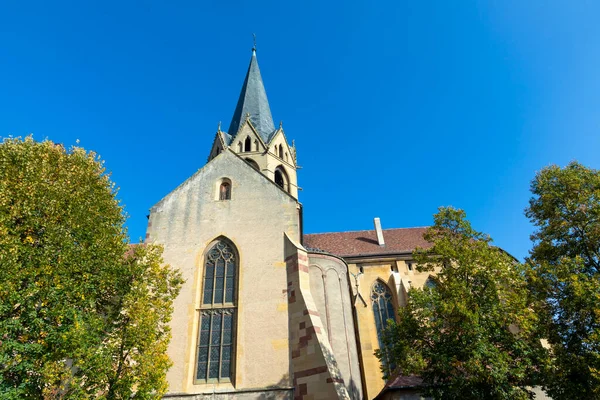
[
  {"x": 223, "y": 189},
  {"x": 282, "y": 179}
]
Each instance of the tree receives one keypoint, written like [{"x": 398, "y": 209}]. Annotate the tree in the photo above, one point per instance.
[
  {"x": 82, "y": 314},
  {"x": 565, "y": 275},
  {"x": 471, "y": 334}
]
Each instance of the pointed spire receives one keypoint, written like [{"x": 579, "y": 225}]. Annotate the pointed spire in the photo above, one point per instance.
[{"x": 253, "y": 102}]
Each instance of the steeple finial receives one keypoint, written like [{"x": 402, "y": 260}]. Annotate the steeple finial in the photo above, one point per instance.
[{"x": 254, "y": 47}]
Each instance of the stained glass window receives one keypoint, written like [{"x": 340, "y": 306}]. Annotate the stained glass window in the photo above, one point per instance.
[
  {"x": 217, "y": 314},
  {"x": 383, "y": 309}
]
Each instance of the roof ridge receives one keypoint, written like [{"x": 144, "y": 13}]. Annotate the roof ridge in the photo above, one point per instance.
[{"x": 368, "y": 230}]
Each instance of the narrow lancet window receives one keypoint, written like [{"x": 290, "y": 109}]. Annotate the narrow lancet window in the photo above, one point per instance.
[
  {"x": 381, "y": 296},
  {"x": 281, "y": 179},
  {"x": 217, "y": 315},
  {"x": 248, "y": 144}
]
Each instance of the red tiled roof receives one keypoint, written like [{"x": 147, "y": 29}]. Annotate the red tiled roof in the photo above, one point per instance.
[
  {"x": 364, "y": 243},
  {"x": 400, "y": 382},
  {"x": 403, "y": 381}
]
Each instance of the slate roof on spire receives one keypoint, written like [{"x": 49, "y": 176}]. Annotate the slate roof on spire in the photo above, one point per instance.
[{"x": 253, "y": 101}]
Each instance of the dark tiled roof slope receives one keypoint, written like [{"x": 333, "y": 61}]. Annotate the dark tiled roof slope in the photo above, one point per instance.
[
  {"x": 400, "y": 382},
  {"x": 364, "y": 243},
  {"x": 253, "y": 101}
]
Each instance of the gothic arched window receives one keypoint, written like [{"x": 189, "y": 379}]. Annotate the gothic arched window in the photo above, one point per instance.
[
  {"x": 381, "y": 296},
  {"x": 281, "y": 151},
  {"x": 253, "y": 164},
  {"x": 281, "y": 179},
  {"x": 430, "y": 283},
  {"x": 215, "y": 354},
  {"x": 248, "y": 144}
]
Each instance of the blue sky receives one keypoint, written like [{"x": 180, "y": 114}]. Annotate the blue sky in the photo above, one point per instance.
[{"x": 396, "y": 107}]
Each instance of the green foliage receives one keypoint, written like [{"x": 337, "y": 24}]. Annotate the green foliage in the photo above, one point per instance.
[
  {"x": 471, "y": 335},
  {"x": 82, "y": 315},
  {"x": 565, "y": 275}
]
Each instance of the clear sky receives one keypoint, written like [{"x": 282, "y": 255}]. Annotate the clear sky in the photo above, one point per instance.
[{"x": 396, "y": 107}]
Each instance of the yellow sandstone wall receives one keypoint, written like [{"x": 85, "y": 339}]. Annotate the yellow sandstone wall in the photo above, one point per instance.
[
  {"x": 255, "y": 220},
  {"x": 394, "y": 272}
]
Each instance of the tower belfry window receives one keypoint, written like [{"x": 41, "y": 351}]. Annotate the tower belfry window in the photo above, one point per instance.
[
  {"x": 281, "y": 151},
  {"x": 253, "y": 164},
  {"x": 248, "y": 144},
  {"x": 281, "y": 179},
  {"x": 216, "y": 336}
]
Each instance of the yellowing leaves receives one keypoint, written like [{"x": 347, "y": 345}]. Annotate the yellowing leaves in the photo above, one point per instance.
[{"x": 67, "y": 289}]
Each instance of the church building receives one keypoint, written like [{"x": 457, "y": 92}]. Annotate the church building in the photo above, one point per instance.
[{"x": 266, "y": 311}]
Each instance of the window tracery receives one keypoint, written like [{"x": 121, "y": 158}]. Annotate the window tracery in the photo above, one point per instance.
[
  {"x": 383, "y": 308},
  {"x": 217, "y": 314}
]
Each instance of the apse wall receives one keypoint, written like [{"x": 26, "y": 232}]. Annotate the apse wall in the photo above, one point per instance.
[{"x": 331, "y": 293}]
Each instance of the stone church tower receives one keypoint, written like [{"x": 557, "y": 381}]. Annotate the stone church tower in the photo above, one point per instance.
[
  {"x": 245, "y": 324},
  {"x": 252, "y": 135}
]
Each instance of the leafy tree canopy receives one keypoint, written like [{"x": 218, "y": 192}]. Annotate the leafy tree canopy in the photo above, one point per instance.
[
  {"x": 472, "y": 334},
  {"x": 565, "y": 275},
  {"x": 82, "y": 314}
]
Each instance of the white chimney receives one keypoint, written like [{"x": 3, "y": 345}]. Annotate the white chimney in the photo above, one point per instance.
[{"x": 379, "y": 232}]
